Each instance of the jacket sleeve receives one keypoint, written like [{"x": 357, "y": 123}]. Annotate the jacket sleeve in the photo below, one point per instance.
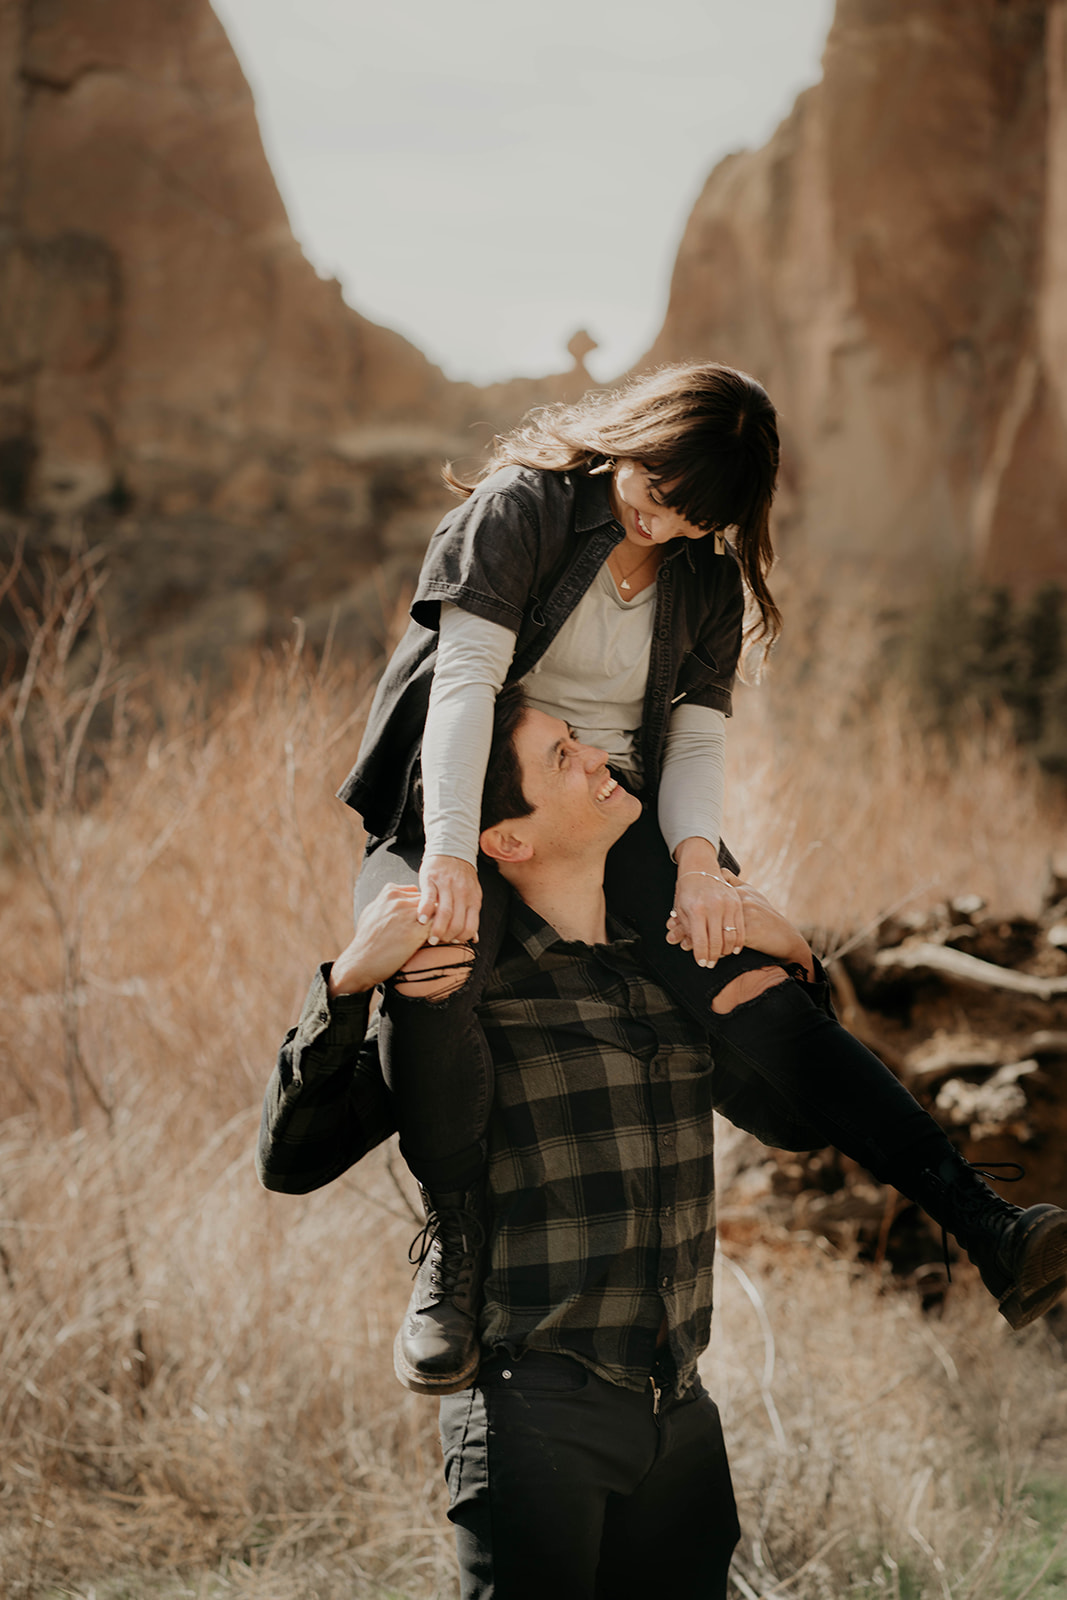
[
  {"x": 326, "y": 1103},
  {"x": 484, "y": 556},
  {"x": 708, "y": 671}
]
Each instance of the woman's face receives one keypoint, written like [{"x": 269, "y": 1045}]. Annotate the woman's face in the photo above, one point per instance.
[{"x": 639, "y": 505}]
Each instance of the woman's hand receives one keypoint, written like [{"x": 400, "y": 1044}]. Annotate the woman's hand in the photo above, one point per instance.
[
  {"x": 708, "y": 917},
  {"x": 766, "y": 928},
  {"x": 450, "y": 899}
]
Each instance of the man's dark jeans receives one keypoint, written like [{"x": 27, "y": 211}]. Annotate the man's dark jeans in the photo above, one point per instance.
[{"x": 565, "y": 1487}]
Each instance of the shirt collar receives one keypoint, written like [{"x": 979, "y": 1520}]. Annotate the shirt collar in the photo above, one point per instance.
[
  {"x": 592, "y": 502},
  {"x": 533, "y": 932},
  {"x": 536, "y": 935}
]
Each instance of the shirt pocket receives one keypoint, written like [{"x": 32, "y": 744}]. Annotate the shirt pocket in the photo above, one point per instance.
[{"x": 699, "y": 668}]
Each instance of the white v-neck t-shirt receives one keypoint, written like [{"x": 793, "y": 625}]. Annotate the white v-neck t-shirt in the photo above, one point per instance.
[
  {"x": 594, "y": 672},
  {"x": 593, "y": 676}
]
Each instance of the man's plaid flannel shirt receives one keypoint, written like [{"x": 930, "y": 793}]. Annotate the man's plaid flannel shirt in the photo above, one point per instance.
[{"x": 600, "y": 1147}]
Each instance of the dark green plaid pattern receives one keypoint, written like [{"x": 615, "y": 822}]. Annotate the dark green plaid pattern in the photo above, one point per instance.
[{"x": 600, "y": 1149}]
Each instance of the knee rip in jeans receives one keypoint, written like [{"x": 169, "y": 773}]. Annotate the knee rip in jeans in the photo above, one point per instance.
[
  {"x": 435, "y": 971},
  {"x": 747, "y": 988}
]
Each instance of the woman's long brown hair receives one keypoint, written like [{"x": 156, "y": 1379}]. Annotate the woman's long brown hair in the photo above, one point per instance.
[{"x": 708, "y": 437}]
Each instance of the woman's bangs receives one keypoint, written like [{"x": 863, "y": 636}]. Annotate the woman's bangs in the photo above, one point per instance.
[{"x": 697, "y": 493}]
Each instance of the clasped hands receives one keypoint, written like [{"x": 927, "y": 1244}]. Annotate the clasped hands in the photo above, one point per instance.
[
  {"x": 717, "y": 914},
  {"x": 714, "y": 914},
  {"x": 402, "y": 919}
]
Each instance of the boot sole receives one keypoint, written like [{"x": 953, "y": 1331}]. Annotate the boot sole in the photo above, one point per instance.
[
  {"x": 1042, "y": 1273},
  {"x": 419, "y": 1383}
]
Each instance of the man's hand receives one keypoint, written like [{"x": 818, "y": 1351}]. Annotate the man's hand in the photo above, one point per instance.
[
  {"x": 387, "y": 934},
  {"x": 450, "y": 900}
]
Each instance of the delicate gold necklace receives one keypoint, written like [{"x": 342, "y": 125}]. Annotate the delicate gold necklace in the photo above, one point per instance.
[{"x": 624, "y": 581}]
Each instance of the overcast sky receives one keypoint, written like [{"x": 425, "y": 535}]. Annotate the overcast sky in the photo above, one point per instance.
[{"x": 487, "y": 177}]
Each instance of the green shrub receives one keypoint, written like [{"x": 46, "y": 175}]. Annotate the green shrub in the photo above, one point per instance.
[{"x": 983, "y": 649}]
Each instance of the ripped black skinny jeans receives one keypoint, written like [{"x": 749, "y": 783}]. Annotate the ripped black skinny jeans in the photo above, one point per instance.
[{"x": 784, "y": 1068}]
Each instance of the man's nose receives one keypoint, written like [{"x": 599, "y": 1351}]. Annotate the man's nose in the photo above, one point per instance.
[{"x": 593, "y": 758}]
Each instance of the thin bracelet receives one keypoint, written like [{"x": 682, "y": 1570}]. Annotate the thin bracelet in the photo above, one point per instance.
[{"x": 694, "y": 874}]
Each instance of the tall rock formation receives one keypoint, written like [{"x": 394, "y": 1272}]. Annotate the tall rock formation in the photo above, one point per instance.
[
  {"x": 157, "y": 313},
  {"x": 893, "y": 265},
  {"x": 165, "y": 348}
]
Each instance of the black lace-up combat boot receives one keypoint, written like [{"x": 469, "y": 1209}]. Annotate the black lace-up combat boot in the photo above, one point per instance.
[
  {"x": 436, "y": 1350},
  {"x": 1022, "y": 1255}
]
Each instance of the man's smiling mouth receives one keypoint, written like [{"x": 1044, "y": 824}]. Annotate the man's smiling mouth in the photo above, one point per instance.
[{"x": 607, "y": 789}]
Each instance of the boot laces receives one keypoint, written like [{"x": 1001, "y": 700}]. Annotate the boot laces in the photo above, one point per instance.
[
  {"x": 458, "y": 1235},
  {"x": 975, "y": 1203}
]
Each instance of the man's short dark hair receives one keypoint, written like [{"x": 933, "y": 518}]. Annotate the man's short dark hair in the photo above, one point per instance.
[{"x": 502, "y": 796}]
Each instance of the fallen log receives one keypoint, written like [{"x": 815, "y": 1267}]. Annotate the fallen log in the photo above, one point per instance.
[
  {"x": 945, "y": 962},
  {"x": 857, "y": 1020},
  {"x": 1047, "y": 1042}
]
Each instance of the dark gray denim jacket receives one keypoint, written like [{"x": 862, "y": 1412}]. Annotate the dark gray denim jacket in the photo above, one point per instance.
[{"x": 522, "y": 551}]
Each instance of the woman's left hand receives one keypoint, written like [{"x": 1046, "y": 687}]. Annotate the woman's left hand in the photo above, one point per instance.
[{"x": 708, "y": 917}]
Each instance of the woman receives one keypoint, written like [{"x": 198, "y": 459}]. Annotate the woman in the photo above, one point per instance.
[{"x": 590, "y": 564}]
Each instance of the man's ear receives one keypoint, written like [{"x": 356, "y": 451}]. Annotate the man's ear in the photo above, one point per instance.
[{"x": 501, "y": 844}]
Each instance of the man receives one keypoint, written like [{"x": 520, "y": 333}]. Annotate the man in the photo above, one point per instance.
[{"x": 587, "y": 1460}]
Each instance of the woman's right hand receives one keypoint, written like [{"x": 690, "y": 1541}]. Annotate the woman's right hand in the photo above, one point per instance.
[{"x": 450, "y": 900}]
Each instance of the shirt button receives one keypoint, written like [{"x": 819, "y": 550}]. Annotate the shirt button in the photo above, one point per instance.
[
  {"x": 668, "y": 1211},
  {"x": 668, "y": 1140},
  {"x": 665, "y": 1282}
]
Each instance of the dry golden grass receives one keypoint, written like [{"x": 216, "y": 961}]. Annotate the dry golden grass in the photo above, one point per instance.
[
  {"x": 878, "y": 1451},
  {"x": 841, "y": 807},
  {"x": 196, "y": 1394}
]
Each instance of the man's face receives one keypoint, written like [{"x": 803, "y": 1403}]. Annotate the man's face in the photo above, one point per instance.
[{"x": 579, "y": 809}]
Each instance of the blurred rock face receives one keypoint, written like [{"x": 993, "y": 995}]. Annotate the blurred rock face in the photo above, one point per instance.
[
  {"x": 893, "y": 266},
  {"x": 162, "y": 338}
]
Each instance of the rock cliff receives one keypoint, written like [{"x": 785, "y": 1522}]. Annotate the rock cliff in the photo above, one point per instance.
[
  {"x": 893, "y": 265},
  {"x": 161, "y": 329},
  {"x": 165, "y": 348}
]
